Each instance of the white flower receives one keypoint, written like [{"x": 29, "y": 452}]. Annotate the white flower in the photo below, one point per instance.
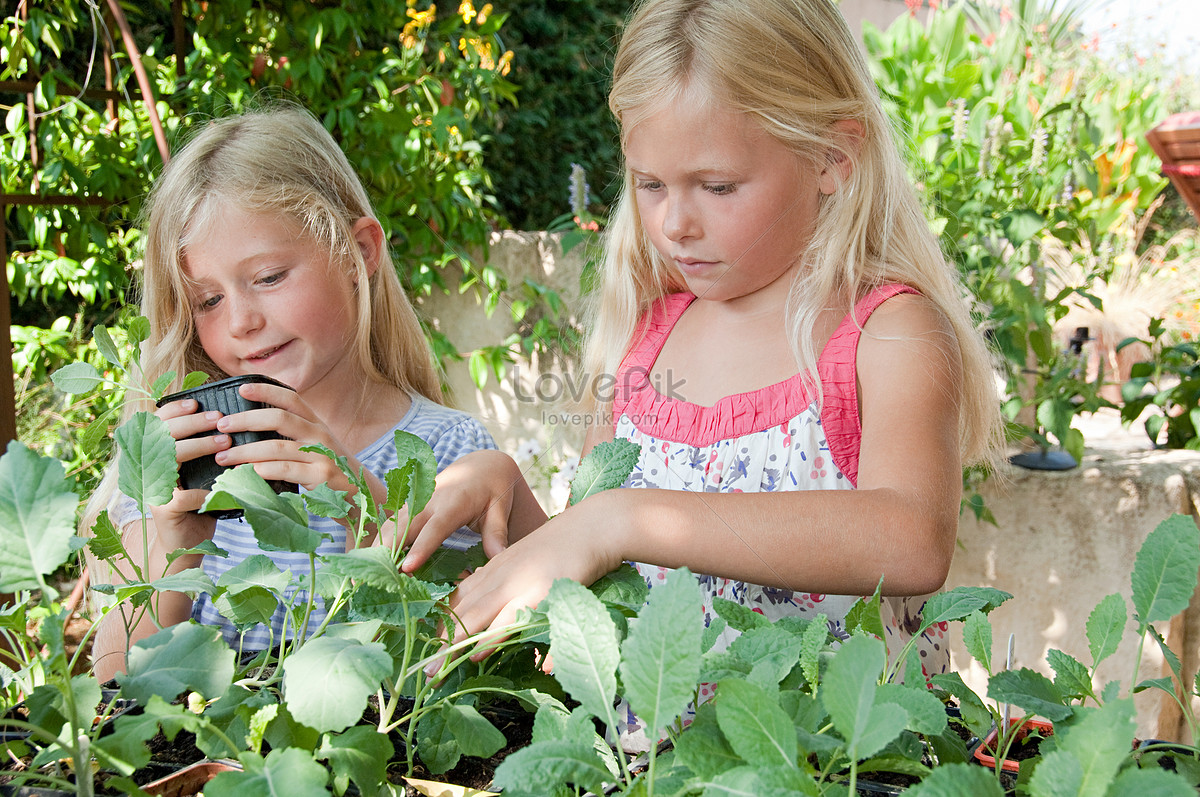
[
  {"x": 962, "y": 115},
  {"x": 1038, "y": 154},
  {"x": 567, "y": 469},
  {"x": 560, "y": 490},
  {"x": 527, "y": 450}
]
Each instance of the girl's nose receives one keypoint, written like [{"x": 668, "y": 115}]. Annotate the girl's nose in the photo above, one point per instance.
[
  {"x": 244, "y": 316},
  {"x": 679, "y": 220}
]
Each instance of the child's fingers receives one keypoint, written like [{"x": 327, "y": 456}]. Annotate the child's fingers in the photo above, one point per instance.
[
  {"x": 429, "y": 531},
  {"x": 193, "y": 448},
  {"x": 493, "y": 529}
]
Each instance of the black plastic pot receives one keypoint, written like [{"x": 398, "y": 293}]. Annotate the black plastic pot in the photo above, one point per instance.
[{"x": 223, "y": 396}]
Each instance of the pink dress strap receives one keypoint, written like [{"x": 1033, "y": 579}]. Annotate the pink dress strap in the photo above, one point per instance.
[
  {"x": 838, "y": 372},
  {"x": 668, "y": 417}
]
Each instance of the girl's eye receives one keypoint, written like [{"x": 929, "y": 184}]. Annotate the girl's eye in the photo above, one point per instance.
[
  {"x": 648, "y": 185},
  {"x": 721, "y": 189},
  {"x": 209, "y": 302},
  {"x": 273, "y": 279}
]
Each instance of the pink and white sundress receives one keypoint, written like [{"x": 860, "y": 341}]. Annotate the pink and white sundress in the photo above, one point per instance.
[{"x": 767, "y": 440}]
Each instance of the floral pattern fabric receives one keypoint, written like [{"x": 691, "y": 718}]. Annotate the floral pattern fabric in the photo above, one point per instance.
[{"x": 774, "y": 439}]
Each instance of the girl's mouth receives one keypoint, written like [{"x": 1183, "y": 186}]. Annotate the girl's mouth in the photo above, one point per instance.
[{"x": 265, "y": 354}]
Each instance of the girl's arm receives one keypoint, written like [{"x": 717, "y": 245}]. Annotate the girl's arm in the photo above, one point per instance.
[{"x": 899, "y": 525}]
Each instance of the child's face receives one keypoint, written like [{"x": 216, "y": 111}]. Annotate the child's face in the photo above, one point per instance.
[
  {"x": 267, "y": 300},
  {"x": 727, "y": 203}
]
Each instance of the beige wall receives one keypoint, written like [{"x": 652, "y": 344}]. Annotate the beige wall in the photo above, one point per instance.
[
  {"x": 1062, "y": 541},
  {"x": 879, "y": 13}
]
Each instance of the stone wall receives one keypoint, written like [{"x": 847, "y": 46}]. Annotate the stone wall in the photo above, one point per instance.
[{"x": 1063, "y": 540}]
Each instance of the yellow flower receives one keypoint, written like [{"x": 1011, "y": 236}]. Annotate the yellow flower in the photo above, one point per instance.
[
  {"x": 506, "y": 62},
  {"x": 484, "y": 13},
  {"x": 419, "y": 20},
  {"x": 467, "y": 10},
  {"x": 482, "y": 49}
]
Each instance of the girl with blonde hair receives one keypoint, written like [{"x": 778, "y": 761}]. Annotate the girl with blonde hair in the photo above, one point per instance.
[
  {"x": 768, "y": 259},
  {"x": 263, "y": 256}
]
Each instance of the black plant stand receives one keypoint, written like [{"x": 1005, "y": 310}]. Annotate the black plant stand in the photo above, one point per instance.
[{"x": 1055, "y": 459}]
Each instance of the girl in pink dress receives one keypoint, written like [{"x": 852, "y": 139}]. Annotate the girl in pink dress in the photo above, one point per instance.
[{"x": 790, "y": 347}]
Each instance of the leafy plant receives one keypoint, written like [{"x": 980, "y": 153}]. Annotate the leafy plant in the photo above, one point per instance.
[
  {"x": 1169, "y": 383},
  {"x": 384, "y": 640},
  {"x": 1019, "y": 137}
]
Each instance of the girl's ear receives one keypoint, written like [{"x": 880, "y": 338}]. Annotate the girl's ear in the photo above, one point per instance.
[
  {"x": 369, "y": 237},
  {"x": 849, "y": 133}
]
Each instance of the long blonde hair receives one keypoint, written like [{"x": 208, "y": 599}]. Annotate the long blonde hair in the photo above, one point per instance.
[
  {"x": 794, "y": 67},
  {"x": 276, "y": 159}
]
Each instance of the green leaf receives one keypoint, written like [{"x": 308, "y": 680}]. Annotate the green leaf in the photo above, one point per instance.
[
  {"x": 865, "y": 615},
  {"x": 105, "y": 345},
  {"x": 1159, "y": 782},
  {"x": 606, "y": 466},
  {"x": 957, "y": 780},
  {"x": 394, "y": 607},
  {"x": 1031, "y": 691},
  {"x": 543, "y": 767},
  {"x": 180, "y": 657},
  {"x": 738, "y": 616},
  {"x": 279, "y": 521},
  {"x": 348, "y": 673},
  {"x": 660, "y": 660},
  {"x": 958, "y": 603},
  {"x": 977, "y": 638},
  {"x": 324, "y": 501},
  {"x": 255, "y": 571},
  {"x": 439, "y": 749},
  {"x": 283, "y": 773},
  {"x": 815, "y": 637},
  {"x": 926, "y": 714},
  {"x": 413, "y": 449},
  {"x": 247, "y": 607},
  {"x": 848, "y": 694},
  {"x": 703, "y": 748},
  {"x": 475, "y": 734},
  {"x": 1105, "y": 625},
  {"x": 757, "y": 729},
  {"x": 974, "y": 712},
  {"x": 1165, "y": 571},
  {"x": 37, "y": 519},
  {"x": 583, "y": 644},
  {"x": 1071, "y": 679},
  {"x": 147, "y": 471},
  {"x": 1099, "y": 740},
  {"x": 105, "y": 542},
  {"x": 77, "y": 378},
  {"x": 622, "y": 587},
  {"x": 1021, "y": 225},
  {"x": 772, "y": 781},
  {"x": 772, "y": 652}
]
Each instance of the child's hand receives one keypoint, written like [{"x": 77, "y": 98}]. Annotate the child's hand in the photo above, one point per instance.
[
  {"x": 281, "y": 459},
  {"x": 576, "y": 544},
  {"x": 477, "y": 491}
]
